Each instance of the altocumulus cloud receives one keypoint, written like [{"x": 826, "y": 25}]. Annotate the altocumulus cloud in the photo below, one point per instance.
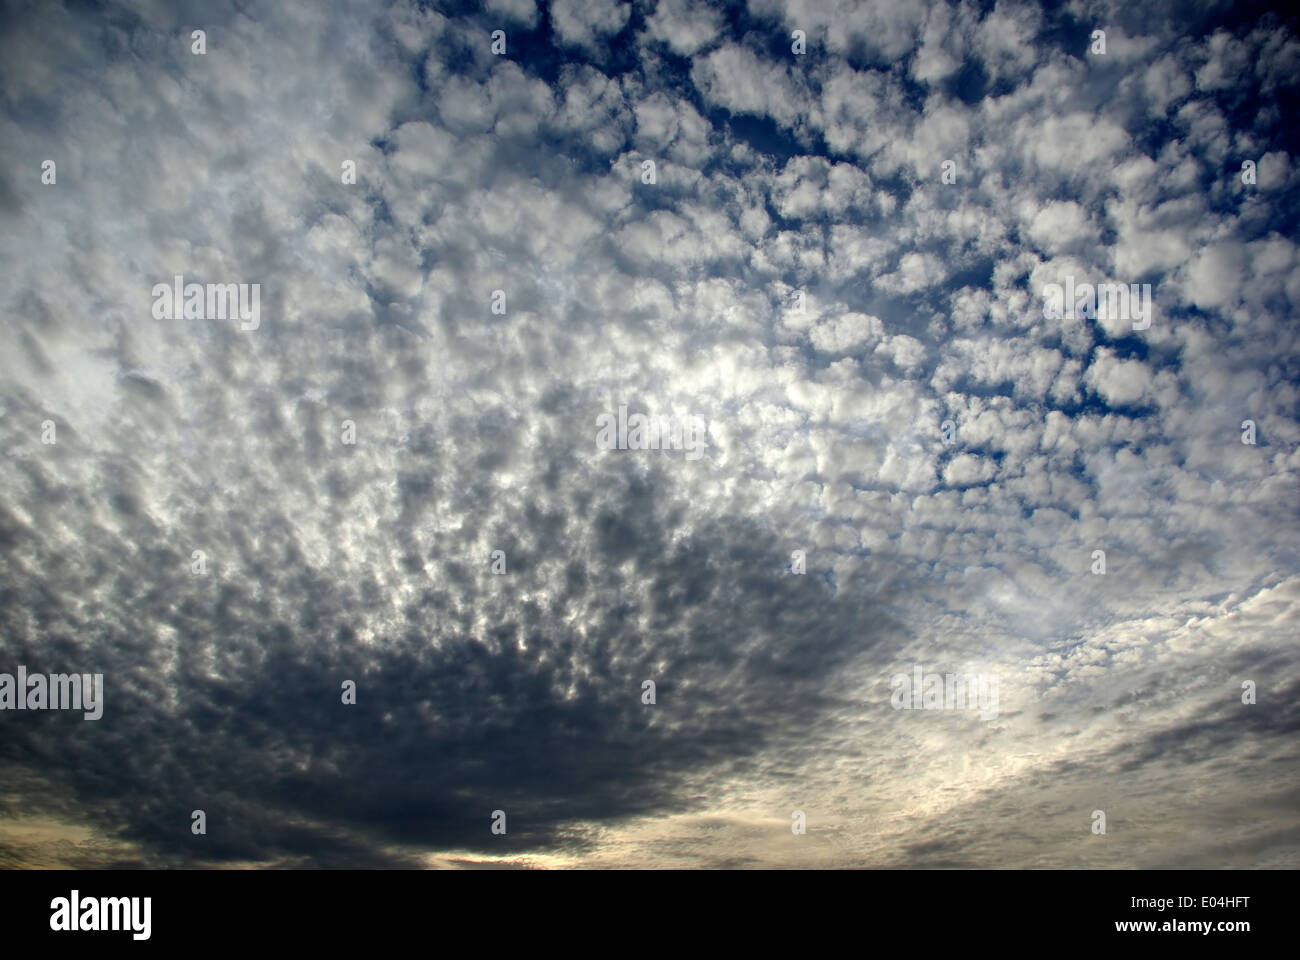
[{"x": 835, "y": 258}]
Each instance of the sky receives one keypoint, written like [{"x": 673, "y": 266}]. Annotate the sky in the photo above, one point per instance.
[{"x": 366, "y": 586}]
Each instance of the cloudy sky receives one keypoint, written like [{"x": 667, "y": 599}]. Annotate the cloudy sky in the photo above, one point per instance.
[{"x": 797, "y": 272}]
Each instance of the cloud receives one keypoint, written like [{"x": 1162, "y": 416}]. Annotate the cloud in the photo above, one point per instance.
[
  {"x": 585, "y": 23},
  {"x": 883, "y": 402},
  {"x": 684, "y": 25}
]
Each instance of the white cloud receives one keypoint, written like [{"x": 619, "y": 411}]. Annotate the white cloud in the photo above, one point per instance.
[
  {"x": 587, "y": 23},
  {"x": 685, "y": 25}
]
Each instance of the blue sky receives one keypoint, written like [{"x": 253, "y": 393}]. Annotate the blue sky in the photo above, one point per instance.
[{"x": 775, "y": 174}]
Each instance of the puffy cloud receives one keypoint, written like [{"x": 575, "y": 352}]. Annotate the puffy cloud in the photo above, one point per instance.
[
  {"x": 1061, "y": 226},
  {"x": 1121, "y": 382},
  {"x": 846, "y": 332},
  {"x": 685, "y": 25},
  {"x": 523, "y": 12},
  {"x": 588, "y": 23},
  {"x": 1215, "y": 276},
  {"x": 734, "y": 77}
]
